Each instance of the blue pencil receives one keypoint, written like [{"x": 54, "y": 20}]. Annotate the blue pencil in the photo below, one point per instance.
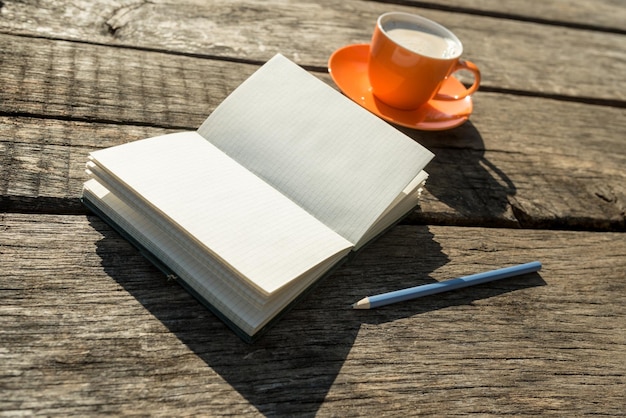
[{"x": 430, "y": 289}]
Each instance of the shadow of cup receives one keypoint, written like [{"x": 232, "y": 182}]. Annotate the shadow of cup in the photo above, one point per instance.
[{"x": 464, "y": 187}]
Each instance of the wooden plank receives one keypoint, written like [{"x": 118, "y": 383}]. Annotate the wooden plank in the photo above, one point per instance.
[
  {"x": 479, "y": 176},
  {"x": 89, "y": 327},
  {"x": 602, "y": 15},
  {"x": 511, "y": 54},
  {"x": 69, "y": 80},
  {"x": 42, "y": 161},
  {"x": 538, "y": 163}
]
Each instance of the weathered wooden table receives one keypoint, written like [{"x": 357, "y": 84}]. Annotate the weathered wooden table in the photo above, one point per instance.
[{"x": 89, "y": 327}]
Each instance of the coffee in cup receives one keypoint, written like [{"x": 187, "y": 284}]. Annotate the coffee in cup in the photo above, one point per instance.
[{"x": 410, "y": 58}]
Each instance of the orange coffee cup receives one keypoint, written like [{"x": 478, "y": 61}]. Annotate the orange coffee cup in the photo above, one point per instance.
[{"x": 411, "y": 57}]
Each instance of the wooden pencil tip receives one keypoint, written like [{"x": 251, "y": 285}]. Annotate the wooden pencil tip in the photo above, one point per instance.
[{"x": 362, "y": 304}]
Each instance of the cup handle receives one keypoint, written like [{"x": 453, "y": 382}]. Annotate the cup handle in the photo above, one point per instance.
[{"x": 463, "y": 65}]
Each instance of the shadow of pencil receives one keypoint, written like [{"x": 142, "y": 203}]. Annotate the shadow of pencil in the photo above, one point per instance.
[
  {"x": 397, "y": 262},
  {"x": 290, "y": 370},
  {"x": 460, "y": 297}
]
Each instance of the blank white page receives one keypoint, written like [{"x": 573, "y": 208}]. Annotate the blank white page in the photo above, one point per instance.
[
  {"x": 240, "y": 219},
  {"x": 326, "y": 153}
]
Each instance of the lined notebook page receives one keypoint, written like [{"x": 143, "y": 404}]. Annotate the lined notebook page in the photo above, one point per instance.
[
  {"x": 208, "y": 278},
  {"x": 231, "y": 212},
  {"x": 326, "y": 153}
]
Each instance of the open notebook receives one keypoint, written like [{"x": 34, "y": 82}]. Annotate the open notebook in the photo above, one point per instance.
[{"x": 280, "y": 184}]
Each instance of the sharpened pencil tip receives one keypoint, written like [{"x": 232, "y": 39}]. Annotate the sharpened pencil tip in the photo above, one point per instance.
[{"x": 362, "y": 304}]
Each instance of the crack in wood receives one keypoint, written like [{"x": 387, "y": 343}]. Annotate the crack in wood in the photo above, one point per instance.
[
  {"x": 122, "y": 16},
  {"x": 504, "y": 15},
  {"x": 96, "y": 120}
]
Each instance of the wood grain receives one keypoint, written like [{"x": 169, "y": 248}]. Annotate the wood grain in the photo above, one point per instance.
[
  {"x": 107, "y": 84},
  {"x": 90, "y": 328},
  {"x": 517, "y": 58},
  {"x": 505, "y": 168},
  {"x": 600, "y": 15}
]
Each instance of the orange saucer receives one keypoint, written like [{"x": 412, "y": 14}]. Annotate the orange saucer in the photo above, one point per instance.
[{"x": 348, "y": 68}]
